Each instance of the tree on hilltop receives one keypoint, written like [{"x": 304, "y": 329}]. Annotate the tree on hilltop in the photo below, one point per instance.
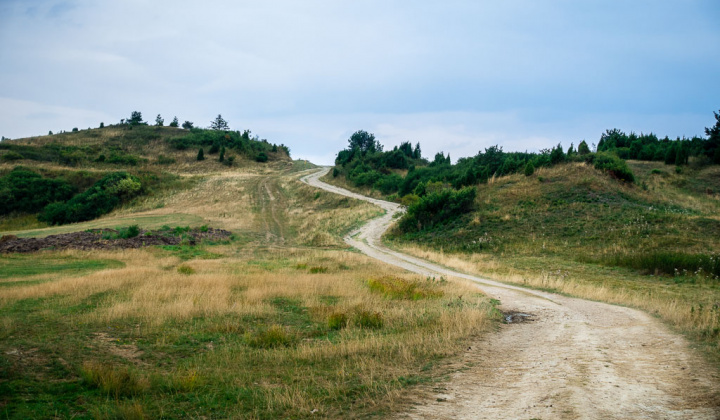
[
  {"x": 174, "y": 123},
  {"x": 187, "y": 125},
  {"x": 712, "y": 146},
  {"x": 364, "y": 141},
  {"x": 159, "y": 121},
  {"x": 135, "y": 118},
  {"x": 219, "y": 124}
]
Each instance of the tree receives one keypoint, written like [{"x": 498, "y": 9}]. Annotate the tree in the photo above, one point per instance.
[
  {"x": 187, "y": 125},
  {"x": 417, "y": 153},
  {"x": 222, "y": 154},
  {"x": 712, "y": 146},
  {"x": 219, "y": 124},
  {"x": 102, "y": 125},
  {"x": 159, "y": 121},
  {"x": 135, "y": 118},
  {"x": 49, "y": 134},
  {"x": 557, "y": 155},
  {"x": 583, "y": 148},
  {"x": 201, "y": 154},
  {"x": 529, "y": 169},
  {"x": 174, "y": 122},
  {"x": 365, "y": 142}
]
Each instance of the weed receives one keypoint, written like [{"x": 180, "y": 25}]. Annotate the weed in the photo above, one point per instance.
[
  {"x": 184, "y": 269},
  {"x": 370, "y": 320},
  {"x": 116, "y": 381},
  {"x": 273, "y": 337},
  {"x": 337, "y": 320},
  {"x": 318, "y": 270},
  {"x": 399, "y": 288}
]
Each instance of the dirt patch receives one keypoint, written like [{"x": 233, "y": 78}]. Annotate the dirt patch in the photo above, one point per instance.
[
  {"x": 513, "y": 317},
  {"x": 126, "y": 351},
  {"x": 106, "y": 239}
]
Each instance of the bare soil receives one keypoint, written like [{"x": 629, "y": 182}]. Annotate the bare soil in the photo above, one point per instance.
[
  {"x": 96, "y": 239},
  {"x": 570, "y": 358}
]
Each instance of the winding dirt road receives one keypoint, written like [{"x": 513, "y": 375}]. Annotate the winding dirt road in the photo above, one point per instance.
[{"x": 575, "y": 359}]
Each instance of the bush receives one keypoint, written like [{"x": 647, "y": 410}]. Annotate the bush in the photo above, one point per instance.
[
  {"x": 129, "y": 232},
  {"x": 436, "y": 208},
  {"x": 26, "y": 191},
  {"x": 337, "y": 321},
  {"x": 101, "y": 198},
  {"x": 613, "y": 165},
  {"x": 201, "y": 154},
  {"x": 529, "y": 169},
  {"x": 261, "y": 157},
  {"x": 12, "y": 156}
]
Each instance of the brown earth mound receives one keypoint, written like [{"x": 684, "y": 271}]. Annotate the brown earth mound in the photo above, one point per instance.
[{"x": 107, "y": 239}]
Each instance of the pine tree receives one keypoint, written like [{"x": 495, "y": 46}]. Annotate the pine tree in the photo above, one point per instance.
[
  {"x": 159, "y": 121},
  {"x": 583, "y": 148},
  {"x": 201, "y": 154},
  {"x": 222, "y": 154},
  {"x": 529, "y": 169},
  {"x": 174, "y": 123},
  {"x": 219, "y": 124},
  {"x": 187, "y": 125}
]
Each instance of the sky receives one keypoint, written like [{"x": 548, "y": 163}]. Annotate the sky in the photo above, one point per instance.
[{"x": 457, "y": 76}]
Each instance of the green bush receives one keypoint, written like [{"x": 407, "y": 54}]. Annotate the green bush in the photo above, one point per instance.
[
  {"x": 22, "y": 190},
  {"x": 337, "y": 321},
  {"x": 436, "y": 208},
  {"x": 129, "y": 232},
  {"x": 11, "y": 156},
  {"x": 261, "y": 157},
  {"x": 529, "y": 169},
  {"x": 101, "y": 198},
  {"x": 613, "y": 165}
]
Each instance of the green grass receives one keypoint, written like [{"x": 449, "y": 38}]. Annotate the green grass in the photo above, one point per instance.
[
  {"x": 20, "y": 266},
  {"x": 145, "y": 222}
]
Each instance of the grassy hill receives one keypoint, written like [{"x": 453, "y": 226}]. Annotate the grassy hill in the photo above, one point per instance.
[{"x": 653, "y": 244}]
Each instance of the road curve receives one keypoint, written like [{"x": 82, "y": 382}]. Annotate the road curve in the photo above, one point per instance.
[{"x": 577, "y": 359}]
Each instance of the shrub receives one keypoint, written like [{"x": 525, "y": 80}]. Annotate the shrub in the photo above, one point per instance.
[
  {"x": 436, "y": 208},
  {"x": 12, "y": 156},
  {"x": 129, "y": 232},
  {"x": 101, "y": 198},
  {"x": 75, "y": 130},
  {"x": 26, "y": 191},
  {"x": 337, "y": 321},
  {"x": 318, "y": 269},
  {"x": 613, "y": 165},
  {"x": 529, "y": 169},
  {"x": 261, "y": 157},
  {"x": 201, "y": 154}
]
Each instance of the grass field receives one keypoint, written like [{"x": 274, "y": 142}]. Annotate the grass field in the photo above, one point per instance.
[
  {"x": 282, "y": 321},
  {"x": 570, "y": 229}
]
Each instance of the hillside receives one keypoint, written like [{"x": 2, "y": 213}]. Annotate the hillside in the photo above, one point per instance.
[
  {"x": 573, "y": 229},
  {"x": 95, "y": 171}
]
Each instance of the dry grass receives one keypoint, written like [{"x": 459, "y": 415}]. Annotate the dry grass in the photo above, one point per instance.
[
  {"x": 692, "y": 308},
  {"x": 246, "y": 333}
]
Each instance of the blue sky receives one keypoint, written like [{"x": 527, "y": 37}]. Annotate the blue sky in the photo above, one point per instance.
[{"x": 457, "y": 76}]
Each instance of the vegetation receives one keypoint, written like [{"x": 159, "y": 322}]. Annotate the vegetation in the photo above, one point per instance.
[
  {"x": 234, "y": 330},
  {"x": 104, "y": 196}
]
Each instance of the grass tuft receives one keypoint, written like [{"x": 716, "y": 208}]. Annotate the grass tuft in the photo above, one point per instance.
[
  {"x": 399, "y": 288},
  {"x": 116, "y": 381}
]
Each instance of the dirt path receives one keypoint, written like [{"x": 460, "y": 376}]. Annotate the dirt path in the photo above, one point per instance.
[
  {"x": 573, "y": 359},
  {"x": 268, "y": 211}
]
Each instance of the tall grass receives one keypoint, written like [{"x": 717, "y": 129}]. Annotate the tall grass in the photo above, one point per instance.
[{"x": 669, "y": 263}]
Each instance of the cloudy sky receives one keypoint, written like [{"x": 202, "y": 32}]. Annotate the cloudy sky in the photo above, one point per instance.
[{"x": 455, "y": 75}]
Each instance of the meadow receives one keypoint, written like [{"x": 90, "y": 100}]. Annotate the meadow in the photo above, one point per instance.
[{"x": 282, "y": 320}]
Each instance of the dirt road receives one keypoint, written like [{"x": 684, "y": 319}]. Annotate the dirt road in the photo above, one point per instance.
[{"x": 571, "y": 359}]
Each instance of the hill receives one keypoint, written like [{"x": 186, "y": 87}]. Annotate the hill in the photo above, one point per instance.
[{"x": 97, "y": 170}]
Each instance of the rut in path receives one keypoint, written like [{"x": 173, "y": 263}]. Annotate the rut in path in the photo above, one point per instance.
[
  {"x": 577, "y": 359},
  {"x": 268, "y": 212}
]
